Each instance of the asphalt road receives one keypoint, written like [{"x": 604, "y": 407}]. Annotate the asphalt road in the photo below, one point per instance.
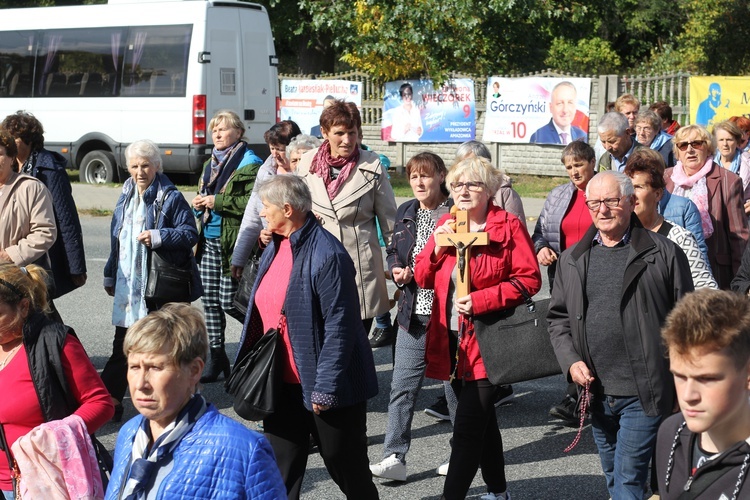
[{"x": 536, "y": 466}]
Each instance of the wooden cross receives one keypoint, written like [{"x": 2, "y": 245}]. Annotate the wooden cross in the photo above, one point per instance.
[{"x": 463, "y": 240}]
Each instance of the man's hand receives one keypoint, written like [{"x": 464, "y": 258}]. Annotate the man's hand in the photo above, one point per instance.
[
  {"x": 580, "y": 373},
  {"x": 318, "y": 408},
  {"x": 546, "y": 256}
]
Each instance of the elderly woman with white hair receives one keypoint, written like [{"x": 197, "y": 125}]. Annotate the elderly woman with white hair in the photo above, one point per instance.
[{"x": 150, "y": 215}]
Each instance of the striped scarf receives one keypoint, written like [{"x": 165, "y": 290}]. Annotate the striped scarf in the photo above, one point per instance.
[{"x": 145, "y": 463}]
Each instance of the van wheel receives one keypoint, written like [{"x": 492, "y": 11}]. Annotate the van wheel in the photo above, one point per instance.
[{"x": 97, "y": 167}]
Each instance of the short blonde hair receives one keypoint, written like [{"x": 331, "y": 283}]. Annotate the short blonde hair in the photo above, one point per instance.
[
  {"x": 683, "y": 132},
  {"x": 230, "y": 118},
  {"x": 477, "y": 169},
  {"x": 179, "y": 327}
]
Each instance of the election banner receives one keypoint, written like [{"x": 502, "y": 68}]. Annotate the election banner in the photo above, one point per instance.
[
  {"x": 717, "y": 98},
  {"x": 537, "y": 110},
  {"x": 303, "y": 100},
  {"x": 415, "y": 111}
]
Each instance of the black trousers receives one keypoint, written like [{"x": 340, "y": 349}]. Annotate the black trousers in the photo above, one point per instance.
[
  {"x": 115, "y": 372},
  {"x": 476, "y": 440},
  {"x": 341, "y": 434}
]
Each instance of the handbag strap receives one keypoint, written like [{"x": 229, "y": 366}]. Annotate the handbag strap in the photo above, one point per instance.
[
  {"x": 160, "y": 204},
  {"x": 525, "y": 293}
]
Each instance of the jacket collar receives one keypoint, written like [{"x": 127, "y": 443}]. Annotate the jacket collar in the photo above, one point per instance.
[
  {"x": 640, "y": 240},
  {"x": 301, "y": 235}
]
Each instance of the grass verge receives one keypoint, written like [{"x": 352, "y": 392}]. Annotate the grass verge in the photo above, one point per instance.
[{"x": 527, "y": 186}]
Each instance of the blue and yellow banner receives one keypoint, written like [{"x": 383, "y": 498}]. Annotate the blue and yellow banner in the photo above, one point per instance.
[{"x": 717, "y": 98}]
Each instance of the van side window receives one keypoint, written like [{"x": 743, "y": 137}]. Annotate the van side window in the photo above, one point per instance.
[{"x": 95, "y": 62}]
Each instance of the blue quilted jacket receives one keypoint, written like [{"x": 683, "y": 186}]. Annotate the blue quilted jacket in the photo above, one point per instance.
[
  {"x": 218, "y": 459},
  {"x": 176, "y": 233},
  {"x": 329, "y": 342}
]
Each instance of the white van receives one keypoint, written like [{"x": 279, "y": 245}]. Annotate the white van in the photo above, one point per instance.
[{"x": 99, "y": 77}]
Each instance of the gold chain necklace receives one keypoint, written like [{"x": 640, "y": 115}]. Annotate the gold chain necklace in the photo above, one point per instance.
[{"x": 10, "y": 355}]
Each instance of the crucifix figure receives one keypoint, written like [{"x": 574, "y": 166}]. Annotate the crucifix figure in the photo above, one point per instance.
[{"x": 463, "y": 240}]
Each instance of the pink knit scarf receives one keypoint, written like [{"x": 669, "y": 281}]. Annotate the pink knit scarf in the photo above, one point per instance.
[
  {"x": 694, "y": 187},
  {"x": 322, "y": 163}
]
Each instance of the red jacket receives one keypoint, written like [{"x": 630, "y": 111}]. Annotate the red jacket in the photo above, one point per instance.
[{"x": 510, "y": 253}]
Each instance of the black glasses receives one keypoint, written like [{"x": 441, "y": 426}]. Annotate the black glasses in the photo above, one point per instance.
[
  {"x": 471, "y": 186},
  {"x": 595, "y": 205},
  {"x": 682, "y": 146}
]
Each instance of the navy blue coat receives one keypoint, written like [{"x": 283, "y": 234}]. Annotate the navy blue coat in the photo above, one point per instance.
[
  {"x": 329, "y": 343},
  {"x": 399, "y": 253},
  {"x": 548, "y": 135},
  {"x": 66, "y": 255},
  {"x": 177, "y": 229}
]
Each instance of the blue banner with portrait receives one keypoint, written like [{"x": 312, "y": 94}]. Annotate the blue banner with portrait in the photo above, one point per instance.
[{"x": 415, "y": 111}]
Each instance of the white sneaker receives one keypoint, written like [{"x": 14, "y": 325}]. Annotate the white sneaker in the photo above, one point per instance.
[
  {"x": 442, "y": 470},
  {"x": 493, "y": 496},
  {"x": 390, "y": 468}
]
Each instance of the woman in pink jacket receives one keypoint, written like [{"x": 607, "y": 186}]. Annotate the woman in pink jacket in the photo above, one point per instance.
[{"x": 452, "y": 351}]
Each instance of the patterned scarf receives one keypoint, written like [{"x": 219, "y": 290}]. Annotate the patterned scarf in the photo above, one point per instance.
[
  {"x": 144, "y": 464},
  {"x": 216, "y": 177},
  {"x": 694, "y": 187},
  {"x": 28, "y": 166},
  {"x": 322, "y": 163}
]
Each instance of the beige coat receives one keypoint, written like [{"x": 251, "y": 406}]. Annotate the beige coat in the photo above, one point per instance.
[
  {"x": 350, "y": 217},
  {"x": 27, "y": 220}
]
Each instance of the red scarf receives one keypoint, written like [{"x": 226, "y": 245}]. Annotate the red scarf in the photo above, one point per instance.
[{"x": 322, "y": 163}]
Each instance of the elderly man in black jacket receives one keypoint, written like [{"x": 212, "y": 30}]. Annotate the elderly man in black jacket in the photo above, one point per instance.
[{"x": 613, "y": 291}]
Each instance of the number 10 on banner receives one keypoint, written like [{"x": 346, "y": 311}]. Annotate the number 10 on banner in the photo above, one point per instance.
[{"x": 519, "y": 130}]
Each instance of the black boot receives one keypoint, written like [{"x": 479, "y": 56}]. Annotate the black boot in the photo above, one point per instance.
[{"x": 218, "y": 363}]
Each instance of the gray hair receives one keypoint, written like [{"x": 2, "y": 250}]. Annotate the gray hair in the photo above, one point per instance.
[
  {"x": 624, "y": 182},
  {"x": 472, "y": 148},
  {"x": 648, "y": 115},
  {"x": 147, "y": 149},
  {"x": 302, "y": 142},
  {"x": 282, "y": 189},
  {"x": 613, "y": 121}
]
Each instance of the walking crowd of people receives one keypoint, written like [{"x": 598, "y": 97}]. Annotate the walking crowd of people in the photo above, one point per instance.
[{"x": 648, "y": 268}]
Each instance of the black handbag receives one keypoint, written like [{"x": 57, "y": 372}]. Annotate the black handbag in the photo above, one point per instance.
[
  {"x": 167, "y": 282},
  {"x": 245, "y": 287},
  {"x": 514, "y": 343},
  {"x": 255, "y": 379}
]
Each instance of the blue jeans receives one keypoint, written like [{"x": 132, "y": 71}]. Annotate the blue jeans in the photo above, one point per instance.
[
  {"x": 8, "y": 495},
  {"x": 383, "y": 320},
  {"x": 625, "y": 437}
]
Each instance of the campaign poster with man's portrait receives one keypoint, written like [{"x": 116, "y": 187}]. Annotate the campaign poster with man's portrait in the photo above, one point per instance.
[
  {"x": 537, "y": 110},
  {"x": 415, "y": 111},
  {"x": 302, "y": 101}
]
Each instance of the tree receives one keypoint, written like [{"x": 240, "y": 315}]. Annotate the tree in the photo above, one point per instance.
[{"x": 391, "y": 39}]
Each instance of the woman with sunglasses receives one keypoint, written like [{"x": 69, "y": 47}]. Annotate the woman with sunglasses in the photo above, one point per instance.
[{"x": 717, "y": 193}]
